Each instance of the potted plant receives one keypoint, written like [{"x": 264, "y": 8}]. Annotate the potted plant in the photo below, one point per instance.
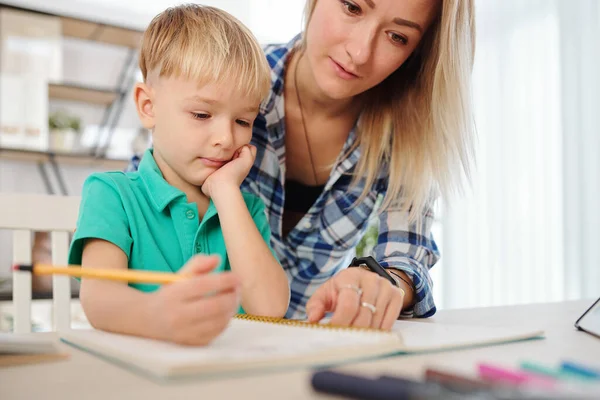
[{"x": 64, "y": 131}]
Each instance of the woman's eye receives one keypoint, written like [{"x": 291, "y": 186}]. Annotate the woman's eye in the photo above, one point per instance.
[
  {"x": 201, "y": 115},
  {"x": 351, "y": 7},
  {"x": 398, "y": 38}
]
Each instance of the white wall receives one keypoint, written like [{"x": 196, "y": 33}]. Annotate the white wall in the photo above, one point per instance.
[{"x": 270, "y": 20}]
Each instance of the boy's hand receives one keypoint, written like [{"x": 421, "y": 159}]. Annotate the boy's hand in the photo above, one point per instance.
[
  {"x": 195, "y": 311},
  {"x": 234, "y": 172}
]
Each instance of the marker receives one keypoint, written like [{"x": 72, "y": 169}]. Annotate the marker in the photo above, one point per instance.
[
  {"x": 581, "y": 370},
  {"x": 556, "y": 373},
  {"x": 498, "y": 374},
  {"x": 455, "y": 382}
]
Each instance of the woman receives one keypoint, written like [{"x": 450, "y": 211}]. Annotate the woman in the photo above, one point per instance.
[{"x": 372, "y": 100}]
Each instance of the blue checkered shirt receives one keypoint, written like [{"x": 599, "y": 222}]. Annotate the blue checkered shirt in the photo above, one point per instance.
[{"x": 324, "y": 241}]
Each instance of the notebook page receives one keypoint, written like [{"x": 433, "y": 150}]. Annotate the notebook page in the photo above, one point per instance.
[
  {"x": 243, "y": 341},
  {"x": 419, "y": 336},
  {"x": 27, "y": 343}
]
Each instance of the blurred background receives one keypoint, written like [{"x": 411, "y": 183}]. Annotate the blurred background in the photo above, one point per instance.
[{"x": 526, "y": 230}]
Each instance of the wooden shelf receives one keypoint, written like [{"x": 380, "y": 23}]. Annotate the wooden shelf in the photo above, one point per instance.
[
  {"x": 87, "y": 30},
  {"x": 62, "y": 158},
  {"x": 81, "y": 94}
]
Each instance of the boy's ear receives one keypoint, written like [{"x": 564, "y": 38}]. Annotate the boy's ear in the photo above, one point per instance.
[{"x": 144, "y": 104}]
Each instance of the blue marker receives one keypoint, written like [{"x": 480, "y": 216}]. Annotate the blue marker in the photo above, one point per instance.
[{"x": 579, "y": 369}]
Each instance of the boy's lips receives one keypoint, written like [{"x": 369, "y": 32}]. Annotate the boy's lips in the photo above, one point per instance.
[{"x": 213, "y": 162}]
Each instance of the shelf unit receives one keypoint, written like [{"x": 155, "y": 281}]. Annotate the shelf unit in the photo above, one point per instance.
[
  {"x": 71, "y": 158},
  {"x": 99, "y": 32},
  {"x": 84, "y": 94},
  {"x": 110, "y": 98}
]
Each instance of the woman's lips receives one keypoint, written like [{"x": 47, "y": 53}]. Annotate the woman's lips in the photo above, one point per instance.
[{"x": 341, "y": 71}]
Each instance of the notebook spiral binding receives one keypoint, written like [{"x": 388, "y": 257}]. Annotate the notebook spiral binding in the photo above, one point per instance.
[{"x": 305, "y": 324}]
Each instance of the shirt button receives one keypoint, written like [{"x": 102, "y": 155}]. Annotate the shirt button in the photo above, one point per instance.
[
  {"x": 190, "y": 214},
  {"x": 198, "y": 248}
]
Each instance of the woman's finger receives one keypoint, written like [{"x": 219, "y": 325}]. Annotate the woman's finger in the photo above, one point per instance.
[
  {"x": 348, "y": 300},
  {"x": 321, "y": 302},
  {"x": 370, "y": 283},
  {"x": 383, "y": 300},
  {"x": 393, "y": 309}
]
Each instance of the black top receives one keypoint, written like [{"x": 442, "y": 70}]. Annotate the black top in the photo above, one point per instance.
[{"x": 300, "y": 197}]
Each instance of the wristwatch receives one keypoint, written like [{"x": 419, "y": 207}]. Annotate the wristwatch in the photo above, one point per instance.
[{"x": 374, "y": 266}]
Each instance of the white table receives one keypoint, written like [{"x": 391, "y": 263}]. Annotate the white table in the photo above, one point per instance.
[{"x": 87, "y": 377}]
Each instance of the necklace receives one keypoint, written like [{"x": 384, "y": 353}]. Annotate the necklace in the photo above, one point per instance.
[{"x": 312, "y": 163}]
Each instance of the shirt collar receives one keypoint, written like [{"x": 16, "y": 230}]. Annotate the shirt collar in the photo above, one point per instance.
[
  {"x": 158, "y": 189},
  {"x": 277, "y": 56}
]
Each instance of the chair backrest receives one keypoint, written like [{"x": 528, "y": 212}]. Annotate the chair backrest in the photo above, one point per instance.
[{"x": 24, "y": 214}]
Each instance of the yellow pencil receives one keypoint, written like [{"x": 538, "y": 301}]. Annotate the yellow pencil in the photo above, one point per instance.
[{"x": 97, "y": 273}]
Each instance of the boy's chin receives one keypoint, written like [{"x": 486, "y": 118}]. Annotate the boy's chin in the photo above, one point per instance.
[{"x": 197, "y": 179}]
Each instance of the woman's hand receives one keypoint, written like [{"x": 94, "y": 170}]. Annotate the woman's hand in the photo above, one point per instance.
[
  {"x": 234, "y": 172},
  {"x": 357, "y": 297}
]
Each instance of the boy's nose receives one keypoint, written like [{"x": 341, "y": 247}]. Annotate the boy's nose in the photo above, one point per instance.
[{"x": 223, "y": 137}]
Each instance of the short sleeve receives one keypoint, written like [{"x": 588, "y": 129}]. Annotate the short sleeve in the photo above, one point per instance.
[
  {"x": 101, "y": 216},
  {"x": 257, "y": 210}
]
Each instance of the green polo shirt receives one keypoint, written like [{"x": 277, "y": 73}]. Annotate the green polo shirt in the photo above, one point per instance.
[{"x": 151, "y": 221}]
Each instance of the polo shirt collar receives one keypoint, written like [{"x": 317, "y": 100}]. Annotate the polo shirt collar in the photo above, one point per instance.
[{"x": 158, "y": 189}]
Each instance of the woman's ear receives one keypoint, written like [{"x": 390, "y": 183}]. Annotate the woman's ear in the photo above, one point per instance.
[{"x": 143, "y": 96}]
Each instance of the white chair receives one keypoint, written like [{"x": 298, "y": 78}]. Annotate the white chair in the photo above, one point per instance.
[{"x": 25, "y": 213}]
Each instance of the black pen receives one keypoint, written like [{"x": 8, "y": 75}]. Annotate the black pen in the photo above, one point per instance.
[{"x": 382, "y": 388}]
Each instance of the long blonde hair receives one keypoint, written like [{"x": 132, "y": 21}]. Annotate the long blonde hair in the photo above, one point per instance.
[{"x": 419, "y": 120}]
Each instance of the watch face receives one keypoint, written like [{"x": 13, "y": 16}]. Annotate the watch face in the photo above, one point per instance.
[{"x": 590, "y": 321}]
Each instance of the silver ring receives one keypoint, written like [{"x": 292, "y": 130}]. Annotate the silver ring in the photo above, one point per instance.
[
  {"x": 370, "y": 306},
  {"x": 358, "y": 290}
]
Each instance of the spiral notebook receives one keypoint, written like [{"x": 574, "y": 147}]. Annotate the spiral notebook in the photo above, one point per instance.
[
  {"x": 28, "y": 348},
  {"x": 256, "y": 343}
]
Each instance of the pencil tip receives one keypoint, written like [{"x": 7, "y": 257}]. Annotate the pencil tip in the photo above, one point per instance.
[{"x": 22, "y": 267}]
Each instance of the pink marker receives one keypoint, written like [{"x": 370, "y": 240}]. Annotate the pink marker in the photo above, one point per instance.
[{"x": 502, "y": 375}]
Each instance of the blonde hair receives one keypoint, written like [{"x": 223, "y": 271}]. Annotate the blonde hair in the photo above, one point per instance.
[
  {"x": 205, "y": 44},
  {"x": 419, "y": 120}
]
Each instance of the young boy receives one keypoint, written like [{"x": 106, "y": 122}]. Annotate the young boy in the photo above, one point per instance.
[{"x": 204, "y": 78}]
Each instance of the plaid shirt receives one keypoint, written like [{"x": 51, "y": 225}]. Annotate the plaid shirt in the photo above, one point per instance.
[{"x": 324, "y": 241}]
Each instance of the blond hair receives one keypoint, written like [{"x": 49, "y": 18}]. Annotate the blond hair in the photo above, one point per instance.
[
  {"x": 205, "y": 44},
  {"x": 419, "y": 120}
]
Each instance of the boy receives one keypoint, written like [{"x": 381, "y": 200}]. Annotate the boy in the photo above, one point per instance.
[{"x": 204, "y": 78}]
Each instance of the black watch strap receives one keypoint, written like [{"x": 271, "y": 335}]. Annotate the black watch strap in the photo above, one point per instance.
[{"x": 374, "y": 266}]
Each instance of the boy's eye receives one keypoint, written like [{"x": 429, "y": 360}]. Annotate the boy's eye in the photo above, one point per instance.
[
  {"x": 243, "y": 123},
  {"x": 200, "y": 115}
]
